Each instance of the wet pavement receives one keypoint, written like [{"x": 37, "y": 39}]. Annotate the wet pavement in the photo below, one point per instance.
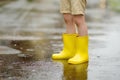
[{"x": 30, "y": 31}]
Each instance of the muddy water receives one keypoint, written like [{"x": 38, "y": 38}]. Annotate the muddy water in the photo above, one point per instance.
[{"x": 30, "y": 32}]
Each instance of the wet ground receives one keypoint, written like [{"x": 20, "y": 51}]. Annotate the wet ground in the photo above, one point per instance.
[{"x": 30, "y": 31}]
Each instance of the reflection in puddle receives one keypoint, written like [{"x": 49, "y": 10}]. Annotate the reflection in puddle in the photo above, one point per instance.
[{"x": 74, "y": 72}]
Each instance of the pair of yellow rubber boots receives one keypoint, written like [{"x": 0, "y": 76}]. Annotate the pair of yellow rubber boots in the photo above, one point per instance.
[{"x": 75, "y": 49}]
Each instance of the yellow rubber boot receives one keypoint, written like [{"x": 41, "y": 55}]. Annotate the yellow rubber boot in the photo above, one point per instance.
[
  {"x": 69, "y": 47},
  {"x": 81, "y": 54}
]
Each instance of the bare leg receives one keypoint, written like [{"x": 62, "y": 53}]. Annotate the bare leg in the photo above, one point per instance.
[
  {"x": 68, "y": 39},
  {"x": 80, "y": 22},
  {"x": 81, "y": 54},
  {"x": 70, "y": 25}
]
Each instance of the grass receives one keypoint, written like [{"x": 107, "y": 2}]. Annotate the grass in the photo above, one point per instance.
[
  {"x": 30, "y": 0},
  {"x": 2, "y": 2},
  {"x": 115, "y": 5}
]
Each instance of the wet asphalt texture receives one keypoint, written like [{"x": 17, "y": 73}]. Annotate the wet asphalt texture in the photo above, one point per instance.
[{"x": 30, "y": 32}]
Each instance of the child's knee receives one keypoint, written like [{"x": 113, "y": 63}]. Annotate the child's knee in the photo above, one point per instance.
[
  {"x": 78, "y": 19},
  {"x": 68, "y": 18}
]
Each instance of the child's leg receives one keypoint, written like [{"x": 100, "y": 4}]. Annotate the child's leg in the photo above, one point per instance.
[
  {"x": 69, "y": 38},
  {"x": 65, "y": 9},
  {"x": 78, "y": 11},
  {"x": 70, "y": 25},
  {"x": 81, "y": 24}
]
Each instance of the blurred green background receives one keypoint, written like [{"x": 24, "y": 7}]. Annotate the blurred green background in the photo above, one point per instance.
[{"x": 115, "y": 5}]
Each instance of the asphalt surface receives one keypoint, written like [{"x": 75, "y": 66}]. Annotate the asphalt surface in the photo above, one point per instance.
[{"x": 31, "y": 31}]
